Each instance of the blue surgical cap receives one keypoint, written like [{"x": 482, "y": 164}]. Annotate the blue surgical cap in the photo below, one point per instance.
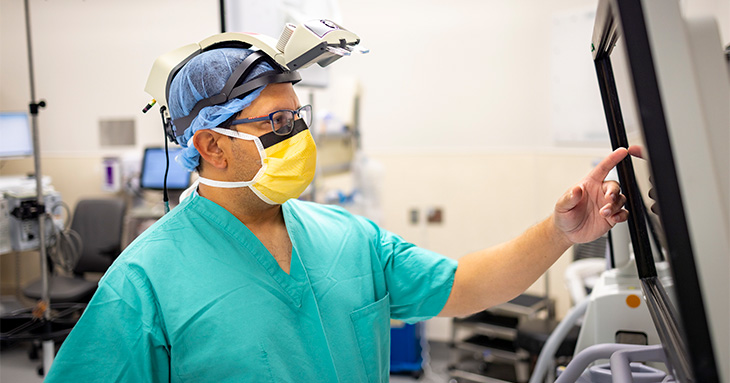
[{"x": 204, "y": 76}]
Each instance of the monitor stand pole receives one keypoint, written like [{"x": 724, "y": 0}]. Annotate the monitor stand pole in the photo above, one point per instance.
[{"x": 43, "y": 309}]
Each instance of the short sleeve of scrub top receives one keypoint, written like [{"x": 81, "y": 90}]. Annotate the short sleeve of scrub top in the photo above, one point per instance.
[{"x": 419, "y": 281}]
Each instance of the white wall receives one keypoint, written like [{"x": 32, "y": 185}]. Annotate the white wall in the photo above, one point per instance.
[
  {"x": 456, "y": 102},
  {"x": 457, "y": 75},
  {"x": 91, "y": 62}
]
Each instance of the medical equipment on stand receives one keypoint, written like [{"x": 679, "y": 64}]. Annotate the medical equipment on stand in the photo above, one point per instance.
[
  {"x": 613, "y": 314},
  {"x": 14, "y": 185},
  {"x": 24, "y": 222},
  {"x": 616, "y": 312},
  {"x": 666, "y": 94}
]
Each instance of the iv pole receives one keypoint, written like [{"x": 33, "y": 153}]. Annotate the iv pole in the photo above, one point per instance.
[{"x": 42, "y": 310}]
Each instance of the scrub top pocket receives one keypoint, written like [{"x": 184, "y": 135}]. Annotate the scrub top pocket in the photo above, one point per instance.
[{"x": 372, "y": 329}]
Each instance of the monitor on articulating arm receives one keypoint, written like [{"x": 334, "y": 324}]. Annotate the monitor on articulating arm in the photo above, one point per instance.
[
  {"x": 17, "y": 140},
  {"x": 665, "y": 87}
]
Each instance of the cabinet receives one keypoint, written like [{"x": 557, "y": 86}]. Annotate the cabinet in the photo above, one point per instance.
[{"x": 483, "y": 345}]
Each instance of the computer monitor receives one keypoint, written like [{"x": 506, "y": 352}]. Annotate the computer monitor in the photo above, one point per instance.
[
  {"x": 153, "y": 170},
  {"x": 665, "y": 87},
  {"x": 17, "y": 139}
]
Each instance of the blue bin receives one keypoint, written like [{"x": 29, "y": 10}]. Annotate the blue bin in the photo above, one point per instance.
[{"x": 405, "y": 348}]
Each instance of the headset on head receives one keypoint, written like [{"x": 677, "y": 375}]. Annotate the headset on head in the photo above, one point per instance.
[
  {"x": 234, "y": 87},
  {"x": 316, "y": 41}
]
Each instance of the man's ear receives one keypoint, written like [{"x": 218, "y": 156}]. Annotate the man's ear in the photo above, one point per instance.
[{"x": 208, "y": 144}]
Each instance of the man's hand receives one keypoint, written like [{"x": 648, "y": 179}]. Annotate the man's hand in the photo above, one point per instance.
[
  {"x": 593, "y": 206},
  {"x": 585, "y": 212}
]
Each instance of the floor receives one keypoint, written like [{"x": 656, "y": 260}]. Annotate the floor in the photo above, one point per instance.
[{"x": 16, "y": 367}]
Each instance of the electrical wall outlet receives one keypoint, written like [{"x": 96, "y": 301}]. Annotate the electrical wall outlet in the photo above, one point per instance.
[
  {"x": 431, "y": 215},
  {"x": 414, "y": 216},
  {"x": 434, "y": 215}
]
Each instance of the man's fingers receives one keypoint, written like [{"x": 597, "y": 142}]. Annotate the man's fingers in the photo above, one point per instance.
[
  {"x": 601, "y": 170},
  {"x": 611, "y": 189},
  {"x": 621, "y": 216},
  {"x": 636, "y": 151},
  {"x": 613, "y": 207},
  {"x": 570, "y": 199}
]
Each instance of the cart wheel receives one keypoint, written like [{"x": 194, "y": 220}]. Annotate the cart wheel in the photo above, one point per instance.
[{"x": 417, "y": 374}]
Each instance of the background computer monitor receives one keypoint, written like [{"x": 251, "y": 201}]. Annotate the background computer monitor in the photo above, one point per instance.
[
  {"x": 665, "y": 87},
  {"x": 17, "y": 139},
  {"x": 153, "y": 170}
]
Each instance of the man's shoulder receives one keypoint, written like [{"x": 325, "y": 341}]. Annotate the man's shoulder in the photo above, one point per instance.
[
  {"x": 177, "y": 232},
  {"x": 310, "y": 206},
  {"x": 320, "y": 212},
  {"x": 329, "y": 218}
]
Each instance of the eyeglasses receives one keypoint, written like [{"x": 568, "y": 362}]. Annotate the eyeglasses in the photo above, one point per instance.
[{"x": 282, "y": 121}]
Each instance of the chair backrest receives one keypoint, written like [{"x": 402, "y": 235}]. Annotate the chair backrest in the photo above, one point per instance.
[{"x": 99, "y": 223}]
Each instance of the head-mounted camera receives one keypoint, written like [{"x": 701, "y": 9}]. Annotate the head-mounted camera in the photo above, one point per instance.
[{"x": 316, "y": 41}]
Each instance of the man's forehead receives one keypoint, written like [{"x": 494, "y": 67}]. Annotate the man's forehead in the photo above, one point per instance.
[
  {"x": 273, "y": 97},
  {"x": 278, "y": 90}
]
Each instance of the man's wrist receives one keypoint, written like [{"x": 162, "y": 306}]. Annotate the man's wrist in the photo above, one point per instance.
[{"x": 559, "y": 236}]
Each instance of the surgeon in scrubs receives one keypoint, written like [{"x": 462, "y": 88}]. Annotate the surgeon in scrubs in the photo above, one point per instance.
[{"x": 243, "y": 282}]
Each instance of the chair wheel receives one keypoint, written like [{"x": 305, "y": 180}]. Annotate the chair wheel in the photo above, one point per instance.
[{"x": 33, "y": 353}]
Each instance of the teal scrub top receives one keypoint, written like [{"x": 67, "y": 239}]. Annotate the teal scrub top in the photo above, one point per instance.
[{"x": 198, "y": 298}]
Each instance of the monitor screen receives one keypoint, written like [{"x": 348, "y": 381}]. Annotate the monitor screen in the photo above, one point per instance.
[
  {"x": 153, "y": 170},
  {"x": 17, "y": 140},
  {"x": 654, "y": 98},
  {"x": 641, "y": 165}
]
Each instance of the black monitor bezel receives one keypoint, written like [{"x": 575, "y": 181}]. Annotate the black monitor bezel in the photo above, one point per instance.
[
  {"x": 141, "y": 172},
  {"x": 687, "y": 343}
]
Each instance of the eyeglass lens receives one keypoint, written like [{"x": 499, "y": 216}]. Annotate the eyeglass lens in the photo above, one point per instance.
[{"x": 283, "y": 121}]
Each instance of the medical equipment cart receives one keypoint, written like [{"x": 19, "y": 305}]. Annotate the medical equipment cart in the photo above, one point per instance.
[{"x": 483, "y": 345}]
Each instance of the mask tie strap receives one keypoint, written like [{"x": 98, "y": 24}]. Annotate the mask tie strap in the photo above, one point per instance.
[
  {"x": 224, "y": 184},
  {"x": 247, "y": 137},
  {"x": 237, "y": 184}
]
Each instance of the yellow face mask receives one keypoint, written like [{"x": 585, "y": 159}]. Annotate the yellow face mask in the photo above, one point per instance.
[{"x": 288, "y": 164}]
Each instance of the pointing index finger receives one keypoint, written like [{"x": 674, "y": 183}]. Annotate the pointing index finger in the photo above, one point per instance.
[{"x": 604, "y": 167}]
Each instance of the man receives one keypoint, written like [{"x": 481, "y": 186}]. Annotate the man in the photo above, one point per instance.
[{"x": 243, "y": 282}]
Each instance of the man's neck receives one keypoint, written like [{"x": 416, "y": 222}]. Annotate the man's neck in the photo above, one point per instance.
[{"x": 244, "y": 205}]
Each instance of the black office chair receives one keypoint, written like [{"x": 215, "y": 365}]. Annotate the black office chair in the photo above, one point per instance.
[{"x": 99, "y": 223}]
